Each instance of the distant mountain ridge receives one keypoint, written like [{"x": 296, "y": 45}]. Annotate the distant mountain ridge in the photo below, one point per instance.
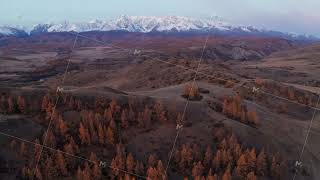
[
  {"x": 147, "y": 24},
  {"x": 12, "y": 31}
]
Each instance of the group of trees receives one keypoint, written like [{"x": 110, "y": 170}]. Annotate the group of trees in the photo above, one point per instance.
[
  {"x": 124, "y": 162},
  {"x": 105, "y": 128},
  {"x": 102, "y": 123},
  {"x": 55, "y": 164},
  {"x": 226, "y": 160},
  {"x": 10, "y": 104},
  {"x": 99, "y": 124},
  {"x": 288, "y": 92},
  {"x": 234, "y": 108},
  {"x": 191, "y": 92}
]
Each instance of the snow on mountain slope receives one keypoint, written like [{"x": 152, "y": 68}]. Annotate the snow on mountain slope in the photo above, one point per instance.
[{"x": 11, "y": 31}]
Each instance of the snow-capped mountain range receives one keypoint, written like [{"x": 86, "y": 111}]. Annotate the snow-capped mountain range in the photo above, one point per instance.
[
  {"x": 147, "y": 24},
  {"x": 137, "y": 24}
]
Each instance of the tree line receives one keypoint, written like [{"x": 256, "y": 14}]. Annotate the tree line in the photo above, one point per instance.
[{"x": 288, "y": 92}]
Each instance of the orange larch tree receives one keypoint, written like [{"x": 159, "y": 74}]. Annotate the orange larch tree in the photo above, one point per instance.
[{"x": 61, "y": 164}]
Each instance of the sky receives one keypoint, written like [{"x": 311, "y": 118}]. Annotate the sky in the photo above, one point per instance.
[{"x": 300, "y": 16}]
